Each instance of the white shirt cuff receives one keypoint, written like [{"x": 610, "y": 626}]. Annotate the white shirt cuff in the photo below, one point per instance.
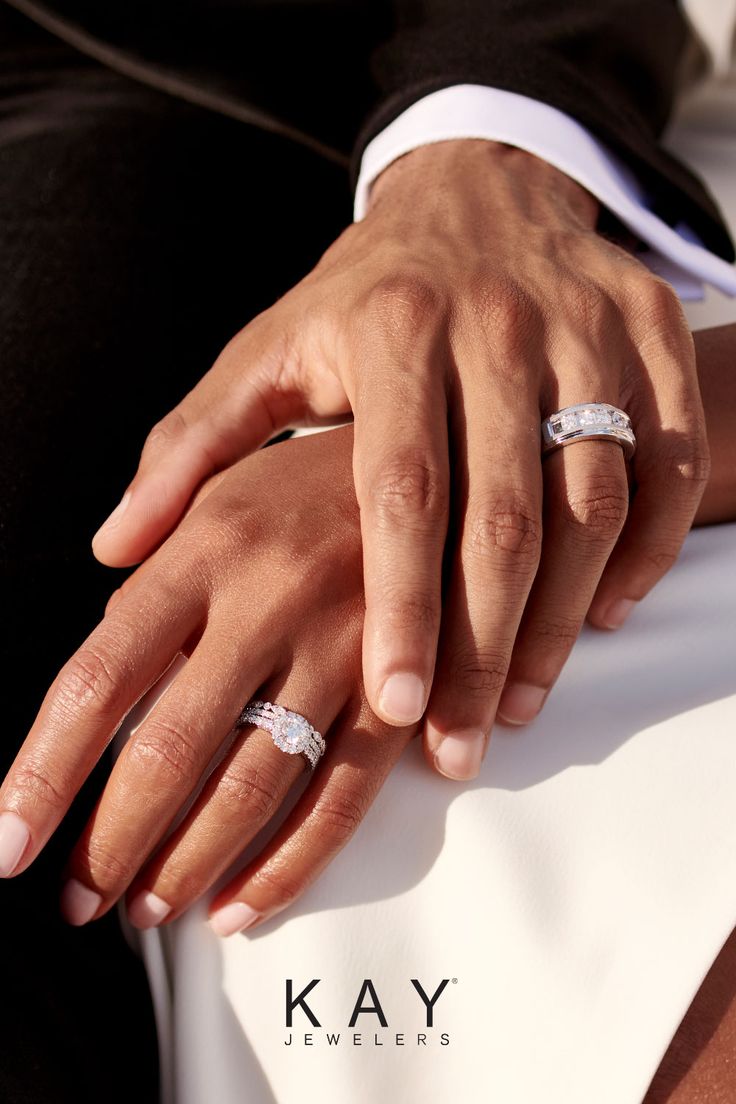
[{"x": 477, "y": 111}]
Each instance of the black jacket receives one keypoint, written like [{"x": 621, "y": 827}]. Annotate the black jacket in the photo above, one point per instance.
[{"x": 332, "y": 73}]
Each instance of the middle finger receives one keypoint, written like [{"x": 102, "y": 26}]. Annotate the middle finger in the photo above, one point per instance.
[{"x": 585, "y": 506}]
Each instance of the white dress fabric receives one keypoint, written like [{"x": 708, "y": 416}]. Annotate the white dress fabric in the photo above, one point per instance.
[{"x": 575, "y": 894}]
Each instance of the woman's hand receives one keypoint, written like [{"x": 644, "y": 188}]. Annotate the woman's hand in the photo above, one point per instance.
[
  {"x": 261, "y": 586},
  {"x": 475, "y": 298}
]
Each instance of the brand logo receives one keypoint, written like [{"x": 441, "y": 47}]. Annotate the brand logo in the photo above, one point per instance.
[{"x": 367, "y": 1004}]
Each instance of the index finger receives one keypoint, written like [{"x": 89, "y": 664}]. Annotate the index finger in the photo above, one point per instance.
[{"x": 82, "y": 710}]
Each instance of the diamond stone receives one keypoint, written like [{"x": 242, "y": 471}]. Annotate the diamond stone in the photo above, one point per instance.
[
  {"x": 596, "y": 421},
  {"x": 577, "y": 419},
  {"x": 291, "y": 733}
]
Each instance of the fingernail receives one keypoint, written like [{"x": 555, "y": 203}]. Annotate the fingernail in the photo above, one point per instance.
[
  {"x": 460, "y": 753},
  {"x": 115, "y": 517},
  {"x": 618, "y": 612},
  {"x": 403, "y": 698},
  {"x": 79, "y": 903},
  {"x": 14, "y": 837},
  {"x": 233, "y": 918},
  {"x": 520, "y": 703},
  {"x": 148, "y": 909}
]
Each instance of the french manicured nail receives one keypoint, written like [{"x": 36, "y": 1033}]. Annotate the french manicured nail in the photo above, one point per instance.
[
  {"x": 115, "y": 517},
  {"x": 520, "y": 703},
  {"x": 460, "y": 753},
  {"x": 14, "y": 837},
  {"x": 79, "y": 903},
  {"x": 403, "y": 698},
  {"x": 233, "y": 918},
  {"x": 148, "y": 909},
  {"x": 617, "y": 613}
]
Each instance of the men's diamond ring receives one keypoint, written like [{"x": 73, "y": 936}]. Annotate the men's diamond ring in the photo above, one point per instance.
[{"x": 588, "y": 422}]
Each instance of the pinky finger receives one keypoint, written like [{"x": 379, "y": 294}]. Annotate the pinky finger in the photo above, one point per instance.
[
  {"x": 671, "y": 464},
  {"x": 669, "y": 489},
  {"x": 361, "y": 754}
]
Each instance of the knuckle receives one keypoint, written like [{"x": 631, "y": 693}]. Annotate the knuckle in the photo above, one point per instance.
[
  {"x": 597, "y": 512},
  {"x": 556, "y": 633},
  {"x": 658, "y": 312},
  {"x": 503, "y": 307},
  {"x": 404, "y": 301},
  {"x": 339, "y": 812},
  {"x": 89, "y": 679},
  {"x": 660, "y": 300},
  {"x": 591, "y": 306},
  {"x": 250, "y": 785},
  {"x": 409, "y": 487},
  {"x": 281, "y": 888},
  {"x": 182, "y": 880},
  {"x": 660, "y": 560},
  {"x": 227, "y": 528},
  {"x": 114, "y": 600},
  {"x": 106, "y": 870},
  {"x": 185, "y": 885},
  {"x": 219, "y": 540},
  {"x": 479, "y": 672},
  {"x": 37, "y": 787},
  {"x": 504, "y": 526},
  {"x": 690, "y": 465},
  {"x": 410, "y": 612},
  {"x": 165, "y": 432},
  {"x": 169, "y": 746}
]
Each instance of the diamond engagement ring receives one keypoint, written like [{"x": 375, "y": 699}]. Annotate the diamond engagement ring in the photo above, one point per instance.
[
  {"x": 289, "y": 731},
  {"x": 588, "y": 422}
]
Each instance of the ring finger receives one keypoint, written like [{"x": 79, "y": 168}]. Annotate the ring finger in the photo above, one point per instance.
[
  {"x": 239, "y": 798},
  {"x": 585, "y": 506},
  {"x": 362, "y": 752}
]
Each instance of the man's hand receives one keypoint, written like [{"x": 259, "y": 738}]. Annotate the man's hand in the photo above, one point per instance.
[{"x": 473, "y": 300}]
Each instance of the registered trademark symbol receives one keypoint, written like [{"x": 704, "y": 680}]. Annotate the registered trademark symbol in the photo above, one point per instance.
[{"x": 454, "y": 981}]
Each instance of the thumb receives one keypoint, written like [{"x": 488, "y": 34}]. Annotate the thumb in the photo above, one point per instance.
[{"x": 230, "y": 413}]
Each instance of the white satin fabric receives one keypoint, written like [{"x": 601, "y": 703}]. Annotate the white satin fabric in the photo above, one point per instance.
[{"x": 578, "y": 890}]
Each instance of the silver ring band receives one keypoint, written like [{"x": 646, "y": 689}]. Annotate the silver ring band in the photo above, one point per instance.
[
  {"x": 290, "y": 731},
  {"x": 588, "y": 422}
]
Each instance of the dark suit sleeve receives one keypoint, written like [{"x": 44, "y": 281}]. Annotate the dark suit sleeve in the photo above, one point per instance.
[{"x": 614, "y": 65}]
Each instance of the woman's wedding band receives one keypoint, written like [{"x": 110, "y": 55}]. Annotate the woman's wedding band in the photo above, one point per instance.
[
  {"x": 588, "y": 422},
  {"x": 290, "y": 731}
]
